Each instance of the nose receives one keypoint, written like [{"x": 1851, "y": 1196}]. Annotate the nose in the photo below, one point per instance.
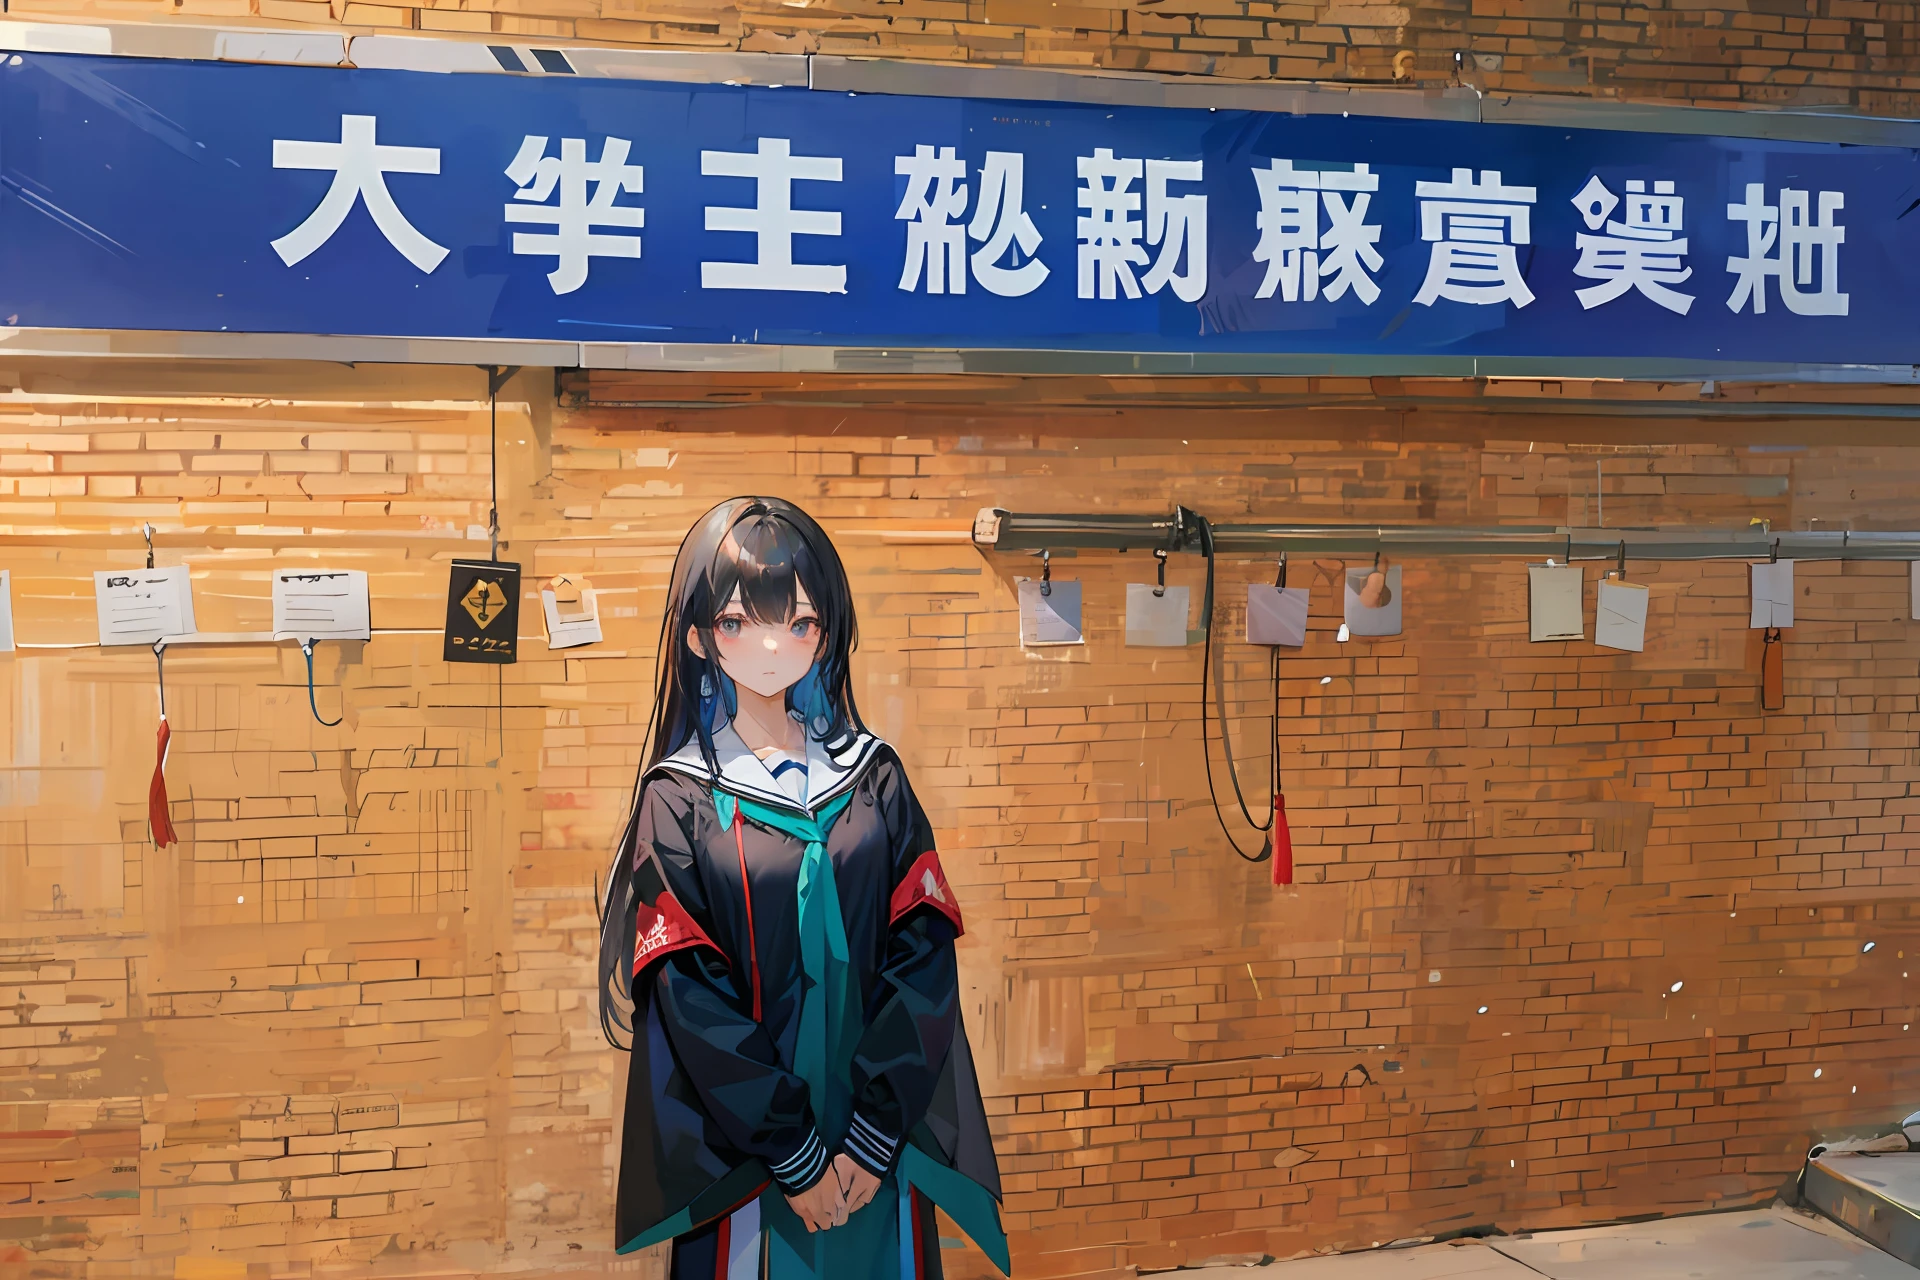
[{"x": 773, "y": 645}]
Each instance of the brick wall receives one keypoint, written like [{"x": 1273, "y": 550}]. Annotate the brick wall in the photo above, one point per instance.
[
  {"x": 1858, "y": 55},
  {"x": 347, "y": 1020}
]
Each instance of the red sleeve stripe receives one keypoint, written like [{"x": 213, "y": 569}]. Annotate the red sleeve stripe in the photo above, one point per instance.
[
  {"x": 665, "y": 927},
  {"x": 925, "y": 884}
]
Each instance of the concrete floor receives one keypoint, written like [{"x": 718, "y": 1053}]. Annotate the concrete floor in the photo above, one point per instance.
[{"x": 1759, "y": 1244}]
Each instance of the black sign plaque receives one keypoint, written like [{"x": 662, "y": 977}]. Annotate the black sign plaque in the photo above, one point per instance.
[{"x": 483, "y": 612}]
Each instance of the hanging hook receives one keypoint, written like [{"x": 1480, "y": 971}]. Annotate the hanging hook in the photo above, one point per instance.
[
  {"x": 146, "y": 531},
  {"x": 1160, "y": 556},
  {"x": 1621, "y": 573},
  {"x": 1376, "y": 559},
  {"x": 1046, "y": 572},
  {"x": 160, "y": 665},
  {"x": 1773, "y": 556},
  {"x": 306, "y": 647},
  {"x": 1280, "y": 580},
  {"x": 1569, "y": 548}
]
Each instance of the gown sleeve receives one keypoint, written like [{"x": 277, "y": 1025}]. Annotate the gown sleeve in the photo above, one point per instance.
[
  {"x": 759, "y": 1107},
  {"x": 903, "y": 1052}
]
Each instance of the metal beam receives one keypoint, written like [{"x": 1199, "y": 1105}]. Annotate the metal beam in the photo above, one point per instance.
[
  {"x": 998, "y": 530},
  {"x": 731, "y": 357}
]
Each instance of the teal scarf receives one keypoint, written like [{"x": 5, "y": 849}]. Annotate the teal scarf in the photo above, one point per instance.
[{"x": 828, "y": 1030}]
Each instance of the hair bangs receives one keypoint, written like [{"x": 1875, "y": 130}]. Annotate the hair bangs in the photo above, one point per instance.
[{"x": 766, "y": 563}]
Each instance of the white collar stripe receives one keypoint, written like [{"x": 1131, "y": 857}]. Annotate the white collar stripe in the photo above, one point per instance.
[{"x": 745, "y": 774}]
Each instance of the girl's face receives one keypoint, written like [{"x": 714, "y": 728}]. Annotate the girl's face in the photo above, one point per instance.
[{"x": 767, "y": 657}]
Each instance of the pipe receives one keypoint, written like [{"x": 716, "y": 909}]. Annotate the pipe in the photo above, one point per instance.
[{"x": 995, "y": 529}]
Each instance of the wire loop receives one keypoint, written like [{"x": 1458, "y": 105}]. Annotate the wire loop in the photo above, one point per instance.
[{"x": 306, "y": 647}]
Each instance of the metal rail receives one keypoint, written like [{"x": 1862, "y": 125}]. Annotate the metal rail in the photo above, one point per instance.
[{"x": 995, "y": 529}]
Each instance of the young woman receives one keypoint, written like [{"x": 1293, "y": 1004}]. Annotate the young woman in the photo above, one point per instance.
[{"x": 801, "y": 1093}]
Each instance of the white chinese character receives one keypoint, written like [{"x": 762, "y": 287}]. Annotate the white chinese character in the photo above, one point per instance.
[
  {"x": 1474, "y": 230},
  {"x": 929, "y": 206},
  {"x": 359, "y": 166},
  {"x": 773, "y": 220},
  {"x": 1641, "y": 253},
  {"x": 580, "y": 210},
  {"x": 1000, "y": 220},
  {"x": 1297, "y": 252},
  {"x": 1175, "y": 223},
  {"x": 1793, "y": 262},
  {"x": 1109, "y": 233}
]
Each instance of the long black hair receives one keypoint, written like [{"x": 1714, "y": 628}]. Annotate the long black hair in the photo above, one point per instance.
[{"x": 765, "y": 550}]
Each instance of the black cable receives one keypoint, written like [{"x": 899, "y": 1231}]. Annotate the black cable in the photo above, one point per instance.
[
  {"x": 306, "y": 647},
  {"x": 1220, "y": 708},
  {"x": 493, "y": 464}
]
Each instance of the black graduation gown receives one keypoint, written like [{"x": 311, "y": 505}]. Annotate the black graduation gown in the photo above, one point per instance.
[{"x": 714, "y": 1110}]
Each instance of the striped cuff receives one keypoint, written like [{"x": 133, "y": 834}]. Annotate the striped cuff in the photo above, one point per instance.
[
  {"x": 803, "y": 1168},
  {"x": 872, "y": 1149}
]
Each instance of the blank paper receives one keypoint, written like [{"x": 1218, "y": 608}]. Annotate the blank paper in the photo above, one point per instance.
[
  {"x": 1276, "y": 615},
  {"x": 1049, "y": 619},
  {"x": 6, "y": 611},
  {"x": 1620, "y": 615},
  {"x": 1554, "y": 601},
  {"x": 1156, "y": 621},
  {"x": 1772, "y": 594},
  {"x": 140, "y": 606}
]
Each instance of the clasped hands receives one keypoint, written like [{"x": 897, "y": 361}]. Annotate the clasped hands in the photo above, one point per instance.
[{"x": 843, "y": 1191}]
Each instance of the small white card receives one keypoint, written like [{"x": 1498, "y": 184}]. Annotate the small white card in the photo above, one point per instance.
[
  {"x": 1373, "y": 607},
  {"x": 6, "y": 611},
  {"x": 1276, "y": 615},
  {"x": 1156, "y": 622},
  {"x": 321, "y": 604},
  {"x": 1620, "y": 615},
  {"x": 1914, "y": 572},
  {"x": 1052, "y": 618},
  {"x": 1772, "y": 594},
  {"x": 572, "y": 612},
  {"x": 140, "y": 606},
  {"x": 1554, "y": 604}
]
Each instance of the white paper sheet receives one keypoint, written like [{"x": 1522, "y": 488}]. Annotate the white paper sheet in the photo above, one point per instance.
[
  {"x": 1049, "y": 619},
  {"x": 1772, "y": 594},
  {"x": 139, "y": 606},
  {"x": 1914, "y": 570},
  {"x": 321, "y": 604},
  {"x": 6, "y": 611},
  {"x": 572, "y": 612},
  {"x": 1381, "y": 621},
  {"x": 1620, "y": 615},
  {"x": 1554, "y": 602},
  {"x": 1276, "y": 615},
  {"x": 1158, "y": 622}
]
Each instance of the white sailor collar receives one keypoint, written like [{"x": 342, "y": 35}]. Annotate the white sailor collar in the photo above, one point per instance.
[{"x": 742, "y": 773}]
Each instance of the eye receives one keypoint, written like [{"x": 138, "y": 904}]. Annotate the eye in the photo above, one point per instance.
[
  {"x": 804, "y": 628},
  {"x": 728, "y": 626}
]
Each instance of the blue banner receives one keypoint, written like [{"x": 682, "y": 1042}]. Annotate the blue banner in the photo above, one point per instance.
[{"x": 147, "y": 194}]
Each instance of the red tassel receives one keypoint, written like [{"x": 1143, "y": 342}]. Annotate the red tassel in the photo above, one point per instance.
[
  {"x": 157, "y": 819},
  {"x": 1282, "y": 842}
]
